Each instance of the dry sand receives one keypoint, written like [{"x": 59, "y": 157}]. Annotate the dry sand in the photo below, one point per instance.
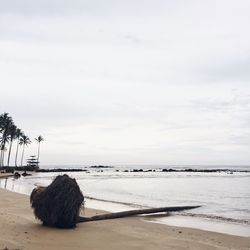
[{"x": 20, "y": 230}]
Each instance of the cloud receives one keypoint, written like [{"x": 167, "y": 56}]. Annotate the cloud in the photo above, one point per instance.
[
  {"x": 132, "y": 77},
  {"x": 241, "y": 139},
  {"x": 231, "y": 68},
  {"x": 99, "y": 7}
]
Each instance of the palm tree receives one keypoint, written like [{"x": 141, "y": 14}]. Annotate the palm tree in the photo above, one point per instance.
[
  {"x": 5, "y": 124},
  {"x": 12, "y": 134},
  {"x": 3, "y": 118},
  {"x": 19, "y": 134},
  {"x": 39, "y": 139},
  {"x": 24, "y": 141}
]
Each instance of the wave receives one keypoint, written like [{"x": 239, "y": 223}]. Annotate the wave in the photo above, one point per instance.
[
  {"x": 217, "y": 218},
  {"x": 117, "y": 202}
]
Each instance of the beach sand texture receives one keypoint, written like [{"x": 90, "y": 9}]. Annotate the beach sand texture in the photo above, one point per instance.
[{"x": 20, "y": 230}]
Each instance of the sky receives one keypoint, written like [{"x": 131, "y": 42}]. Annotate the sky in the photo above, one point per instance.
[{"x": 129, "y": 82}]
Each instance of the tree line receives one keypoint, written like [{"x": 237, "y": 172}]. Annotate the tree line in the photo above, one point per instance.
[{"x": 10, "y": 133}]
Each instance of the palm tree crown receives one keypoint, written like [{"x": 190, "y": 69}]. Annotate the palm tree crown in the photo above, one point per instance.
[
  {"x": 24, "y": 140},
  {"x": 39, "y": 139}
]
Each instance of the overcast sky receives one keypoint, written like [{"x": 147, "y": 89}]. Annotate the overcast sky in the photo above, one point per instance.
[{"x": 129, "y": 82}]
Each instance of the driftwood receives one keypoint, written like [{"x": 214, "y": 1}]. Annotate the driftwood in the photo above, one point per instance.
[
  {"x": 58, "y": 205},
  {"x": 134, "y": 212}
]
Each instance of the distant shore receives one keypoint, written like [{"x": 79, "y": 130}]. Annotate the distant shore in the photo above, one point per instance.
[
  {"x": 135, "y": 170},
  {"x": 20, "y": 230}
]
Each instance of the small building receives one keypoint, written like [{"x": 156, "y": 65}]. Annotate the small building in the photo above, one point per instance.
[{"x": 32, "y": 163}]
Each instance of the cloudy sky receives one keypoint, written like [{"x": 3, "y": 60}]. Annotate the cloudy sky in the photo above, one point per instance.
[{"x": 129, "y": 82}]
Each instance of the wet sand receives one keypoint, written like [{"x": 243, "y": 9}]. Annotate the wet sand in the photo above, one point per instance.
[
  {"x": 5, "y": 175},
  {"x": 20, "y": 230}
]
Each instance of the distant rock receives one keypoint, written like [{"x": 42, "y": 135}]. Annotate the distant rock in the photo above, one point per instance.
[
  {"x": 101, "y": 166},
  {"x": 25, "y": 174},
  {"x": 17, "y": 175}
]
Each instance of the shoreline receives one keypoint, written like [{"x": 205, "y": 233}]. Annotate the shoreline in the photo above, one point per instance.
[{"x": 20, "y": 230}]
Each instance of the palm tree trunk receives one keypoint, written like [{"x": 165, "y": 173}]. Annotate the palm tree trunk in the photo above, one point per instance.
[
  {"x": 1, "y": 148},
  {"x": 4, "y": 138},
  {"x": 4, "y": 143},
  {"x": 17, "y": 148},
  {"x": 8, "y": 164},
  {"x": 1, "y": 156},
  {"x": 22, "y": 156},
  {"x": 38, "y": 154},
  {"x": 134, "y": 212}
]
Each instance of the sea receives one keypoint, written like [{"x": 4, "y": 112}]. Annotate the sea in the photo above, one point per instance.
[{"x": 224, "y": 195}]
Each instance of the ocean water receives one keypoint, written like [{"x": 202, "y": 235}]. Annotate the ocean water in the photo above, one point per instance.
[{"x": 224, "y": 196}]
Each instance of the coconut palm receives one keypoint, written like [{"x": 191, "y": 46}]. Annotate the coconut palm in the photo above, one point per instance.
[
  {"x": 3, "y": 118},
  {"x": 39, "y": 139},
  {"x": 24, "y": 141},
  {"x": 19, "y": 134},
  {"x": 5, "y": 125},
  {"x": 12, "y": 136}
]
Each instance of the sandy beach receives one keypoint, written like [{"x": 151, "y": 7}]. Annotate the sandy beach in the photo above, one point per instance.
[{"x": 20, "y": 230}]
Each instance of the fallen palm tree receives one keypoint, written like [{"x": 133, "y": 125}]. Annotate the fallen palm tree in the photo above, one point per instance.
[
  {"x": 58, "y": 205},
  {"x": 135, "y": 212}
]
